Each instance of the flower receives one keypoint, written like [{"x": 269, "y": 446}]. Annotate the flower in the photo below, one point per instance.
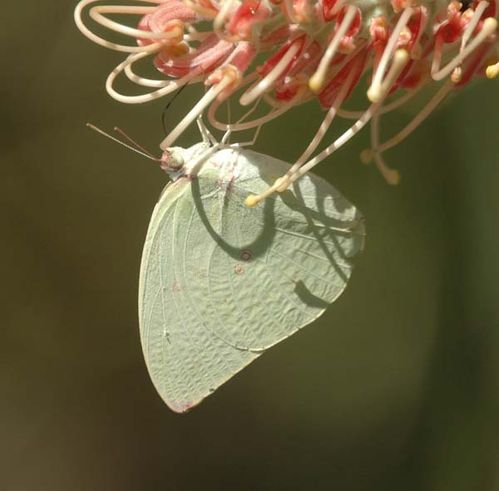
[{"x": 281, "y": 53}]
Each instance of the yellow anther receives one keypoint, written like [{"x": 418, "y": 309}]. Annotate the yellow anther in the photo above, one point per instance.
[
  {"x": 492, "y": 71},
  {"x": 280, "y": 185},
  {"x": 175, "y": 29},
  {"x": 377, "y": 91},
  {"x": 318, "y": 79},
  {"x": 456, "y": 75},
  {"x": 252, "y": 200},
  {"x": 176, "y": 50},
  {"x": 316, "y": 82}
]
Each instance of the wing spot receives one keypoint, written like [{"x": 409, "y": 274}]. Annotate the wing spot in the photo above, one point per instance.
[
  {"x": 246, "y": 255},
  {"x": 166, "y": 335},
  {"x": 238, "y": 269}
]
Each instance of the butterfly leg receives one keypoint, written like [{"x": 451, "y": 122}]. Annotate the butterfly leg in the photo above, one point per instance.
[
  {"x": 258, "y": 128},
  {"x": 207, "y": 139},
  {"x": 226, "y": 136},
  {"x": 252, "y": 141},
  {"x": 205, "y": 132}
]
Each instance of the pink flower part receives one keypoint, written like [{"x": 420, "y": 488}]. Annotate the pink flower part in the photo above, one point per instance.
[
  {"x": 167, "y": 15},
  {"x": 413, "y": 75},
  {"x": 329, "y": 9},
  {"x": 490, "y": 11},
  {"x": 277, "y": 36},
  {"x": 299, "y": 72},
  {"x": 288, "y": 52},
  {"x": 413, "y": 72},
  {"x": 355, "y": 66},
  {"x": 201, "y": 60},
  {"x": 380, "y": 32},
  {"x": 451, "y": 29},
  {"x": 399, "y": 5},
  {"x": 415, "y": 28},
  {"x": 249, "y": 14},
  {"x": 239, "y": 59},
  {"x": 171, "y": 9},
  {"x": 474, "y": 66},
  {"x": 276, "y": 57},
  {"x": 347, "y": 43},
  {"x": 302, "y": 11},
  {"x": 307, "y": 62}
]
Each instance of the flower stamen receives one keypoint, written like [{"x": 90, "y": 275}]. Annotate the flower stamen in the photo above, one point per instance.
[
  {"x": 241, "y": 126},
  {"x": 230, "y": 78},
  {"x": 386, "y": 108},
  {"x": 492, "y": 71},
  {"x": 379, "y": 87},
  {"x": 345, "y": 89},
  {"x": 489, "y": 26},
  {"x": 318, "y": 79},
  {"x": 266, "y": 82},
  {"x": 223, "y": 13},
  {"x": 276, "y": 54},
  {"x": 400, "y": 59},
  {"x": 470, "y": 28}
]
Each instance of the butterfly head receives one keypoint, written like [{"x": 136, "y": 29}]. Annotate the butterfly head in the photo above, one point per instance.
[
  {"x": 172, "y": 161},
  {"x": 178, "y": 162}
]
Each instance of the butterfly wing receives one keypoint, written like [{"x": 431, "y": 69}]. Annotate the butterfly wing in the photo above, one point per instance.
[
  {"x": 185, "y": 358},
  {"x": 220, "y": 282},
  {"x": 279, "y": 265}
]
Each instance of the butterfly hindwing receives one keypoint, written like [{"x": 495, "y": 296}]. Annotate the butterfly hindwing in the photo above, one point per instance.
[{"x": 280, "y": 264}]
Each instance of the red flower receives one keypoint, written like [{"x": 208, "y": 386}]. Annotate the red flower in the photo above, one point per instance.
[{"x": 322, "y": 49}]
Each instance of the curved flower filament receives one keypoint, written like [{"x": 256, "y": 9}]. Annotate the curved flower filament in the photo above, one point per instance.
[{"x": 96, "y": 13}]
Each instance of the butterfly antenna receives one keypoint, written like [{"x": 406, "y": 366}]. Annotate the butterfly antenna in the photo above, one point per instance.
[
  {"x": 133, "y": 142},
  {"x": 130, "y": 147},
  {"x": 168, "y": 104}
]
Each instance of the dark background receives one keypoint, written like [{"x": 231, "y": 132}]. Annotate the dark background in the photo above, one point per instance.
[{"x": 394, "y": 388}]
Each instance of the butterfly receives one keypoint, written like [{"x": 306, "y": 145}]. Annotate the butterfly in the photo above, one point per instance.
[{"x": 222, "y": 282}]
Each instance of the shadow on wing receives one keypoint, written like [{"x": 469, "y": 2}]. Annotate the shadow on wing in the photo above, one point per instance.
[
  {"x": 307, "y": 297},
  {"x": 260, "y": 243},
  {"x": 321, "y": 226}
]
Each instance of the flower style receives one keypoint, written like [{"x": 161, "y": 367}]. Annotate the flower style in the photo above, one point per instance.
[{"x": 281, "y": 53}]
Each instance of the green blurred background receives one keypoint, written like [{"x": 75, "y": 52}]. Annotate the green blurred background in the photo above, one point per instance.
[{"x": 394, "y": 388}]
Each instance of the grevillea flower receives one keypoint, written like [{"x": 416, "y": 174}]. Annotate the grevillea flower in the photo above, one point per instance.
[{"x": 281, "y": 53}]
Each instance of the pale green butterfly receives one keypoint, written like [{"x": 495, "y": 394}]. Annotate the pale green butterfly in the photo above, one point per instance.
[{"x": 221, "y": 282}]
